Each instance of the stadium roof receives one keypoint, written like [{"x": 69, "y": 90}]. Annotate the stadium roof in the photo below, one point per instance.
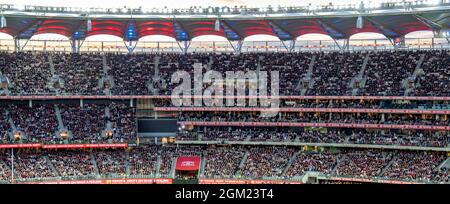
[{"x": 338, "y": 25}]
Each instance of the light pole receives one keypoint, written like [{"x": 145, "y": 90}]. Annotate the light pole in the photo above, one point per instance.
[{"x": 12, "y": 165}]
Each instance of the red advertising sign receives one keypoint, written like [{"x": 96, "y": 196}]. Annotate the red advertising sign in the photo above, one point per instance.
[
  {"x": 19, "y": 146},
  {"x": 365, "y": 180},
  {"x": 238, "y": 181},
  {"x": 66, "y": 146},
  {"x": 309, "y": 110},
  {"x": 109, "y": 181},
  {"x": 188, "y": 163},
  {"x": 295, "y": 124},
  {"x": 84, "y": 146}
]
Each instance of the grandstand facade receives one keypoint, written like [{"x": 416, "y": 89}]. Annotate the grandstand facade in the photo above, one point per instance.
[
  {"x": 359, "y": 111},
  {"x": 394, "y": 21}
]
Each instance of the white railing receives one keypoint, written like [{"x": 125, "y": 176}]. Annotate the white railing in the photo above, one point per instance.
[{"x": 224, "y": 46}]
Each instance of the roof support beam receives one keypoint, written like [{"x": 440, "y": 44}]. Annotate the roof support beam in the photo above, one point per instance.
[
  {"x": 288, "y": 44},
  {"x": 430, "y": 23},
  {"x": 76, "y": 45},
  {"x": 38, "y": 22},
  {"x": 77, "y": 29},
  {"x": 276, "y": 26},
  {"x": 130, "y": 45},
  {"x": 130, "y": 33},
  {"x": 327, "y": 27},
  {"x": 184, "y": 46},
  {"x": 281, "y": 28},
  {"x": 225, "y": 23},
  {"x": 181, "y": 27},
  {"x": 17, "y": 44},
  {"x": 382, "y": 28},
  {"x": 237, "y": 46},
  {"x": 344, "y": 45}
]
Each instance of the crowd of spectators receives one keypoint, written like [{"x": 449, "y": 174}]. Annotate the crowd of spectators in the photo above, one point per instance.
[
  {"x": 414, "y": 166},
  {"x": 85, "y": 123},
  {"x": 345, "y": 136},
  {"x": 80, "y": 72},
  {"x": 136, "y": 74},
  {"x": 365, "y": 164},
  {"x": 131, "y": 73},
  {"x": 29, "y": 165},
  {"x": 142, "y": 160},
  {"x": 39, "y": 123},
  {"x": 435, "y": 80},
  {"x": 223, "y": 162},
  {"x": 123, "y": 122},
  {"x": 318, "y": 162},
  {"x": 331, "y": 103},
  {"x": 5, "y": 170},
  {"x": 333, "y": 72},
  {"x": 254, "y": 162},
  {"x": 291, "y": 67},
  {"x": 27, "y": 72},
  {"x": 361, "y": 118},
  {"x": 111, "y": 162},
  {"x": 266, "y": 162},
  {"x": 75, "y": 163},
  {"x": 386, "y": 70}
]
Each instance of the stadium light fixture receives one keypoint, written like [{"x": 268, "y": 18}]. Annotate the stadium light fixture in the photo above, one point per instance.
[
  {"x": 433, "y": 2},
  {"x": 217, "y": 25},
  {"x": 3, "y": 22},
  {"x": 360, "y": 22},
  {"x": 89, "y": 25}
]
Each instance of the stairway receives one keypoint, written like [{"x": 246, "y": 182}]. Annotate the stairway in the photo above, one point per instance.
[
  {"x": 55, "y": 83},
  {"x": 11, "y": 122},
  {"x": 156, "y": 63},
  {"x": 106, "y": 79},
  {"x": 50, "y": 164},
  {"x": 52, "y": 65},
  {"x": 94, "y": 163},
  {"x": 248, "y": 138},
  {"x": 301, "y": 85},
  {"x": 127, "y": 163},
  {"x": 291, "y": 161},
  {"x": 297, "y": 138},
  {"x": 409, "y": 84},
  {"x": 155, "y": 78},
  {"x": 172, "y": 167},
  {"x": 210, "y": 63},
  {"x": 394, "y": 157},
  {"x": 105, "y": 65},
  {"x": 360, "y": 77},
  {"x": 59, "y": 117},
  {"x": 338, "y": 162},
  {"x": 242, "y": 163},
  {"x": 5, "y": 84},
  {"x": 445, "y": 164},
  {"x": 202, "y": 167},
  {"x": 158, "y": 166},
  {"x": 108, "y": 125}
]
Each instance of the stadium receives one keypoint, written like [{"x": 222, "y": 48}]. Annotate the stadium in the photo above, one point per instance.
[{"x": 355, "y": 92}]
